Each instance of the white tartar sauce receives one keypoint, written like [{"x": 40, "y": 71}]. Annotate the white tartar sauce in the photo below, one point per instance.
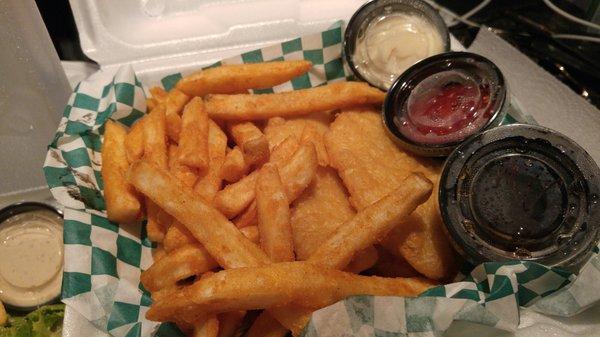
[
  {"x": 392, "y": 43},
  {"x": 31, "y": 258}
]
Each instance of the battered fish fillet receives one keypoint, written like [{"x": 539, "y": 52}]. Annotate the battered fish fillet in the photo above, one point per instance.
[
  {"x": 319, "y": 211},
  {"x": 371, "y": 166}
]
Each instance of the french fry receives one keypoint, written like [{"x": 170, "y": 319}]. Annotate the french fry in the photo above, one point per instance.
[
  {"x": 184, "y": 261},
  {"x": 293, "y": 103},
  {"x": 278, "y": 129},
  {"x": 228, "y": 79},
  {"x": 174, "y": 104},
  {"x": 276, "y": 284},
  {"x": 390, "y": 265},
  {"x": 122, "y": 203},
  {"x": 208, "y": 185},
  {"x": 159, "y": 252},
  {"x": 360, "y": 232},
  {"x": 251, "y": 141},
  {"x": 193, "y": 139},
  {"x": 177, "y": 236},
  {"x": 159, "y": 94},
  {"x": 230, "y": 322},
  {"x": 134, "y": 141},
  {"x": 207, "y": 327},
  {"x": 247, "y": 218},
  {"x": 155, "y": 151},
  {"x": 363, "y": 260},
  {"x": 314, "y": 135},
  {"x": 184, "y": 173},
  {"x": 266, "y": 326},
  {"x": 220, "y": 237},
  {"x": 273, "y": 215},
  {"x": 3, "y": 316},
  {"x": 234, "y": 167},
  {"x": 151, "y": 103},
  {"x": 236, "y": 197}
]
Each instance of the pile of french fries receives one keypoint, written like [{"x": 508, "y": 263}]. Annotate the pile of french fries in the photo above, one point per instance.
[{"x": 219, "y": 175}]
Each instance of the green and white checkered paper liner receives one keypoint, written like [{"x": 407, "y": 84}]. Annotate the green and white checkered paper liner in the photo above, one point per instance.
[{"x": 103, "y": 260}]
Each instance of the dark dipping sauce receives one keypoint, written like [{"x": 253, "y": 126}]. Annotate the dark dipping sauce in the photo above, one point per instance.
[{"x": 521, "y": 192}]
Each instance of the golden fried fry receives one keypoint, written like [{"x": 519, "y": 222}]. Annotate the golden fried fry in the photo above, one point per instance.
[
  {"x": 3, "y": 316},
  {"x": 236, "y": 197},
  {"x": 319, "y": 211},
  {"x": 278, "y": 129},
  {"x": 220, "y": 237},
  {"x": 228, "y": 79},
  {"x": 371, "y": 166},
  {"x": 122, "y": 203},
  {"x": 159, "y": 252},
  {"x": 151, "y": 103},
  {"x": 207, "y": 327},
  {"x": 293, "y": 103},
  {"x": 174, "y": 103},
  {"x": 276, "y": 284},
  {"x": 230, "y": 322},
  {"x": 234, "y": 167},
  {"x": 389, "y": 265},
  {"x": 372, "y": 222},
  {"x": 266, "y": 326},
  {"x": 186, "y": 260},
  {"x": 251, "y": 141},
  {"x": 208, "y": 185},
  {"x": 273, "y": 215},
  {"x": 314, "y": 135},
  {"x": 134, "y": 141},
  {"x": 362, "y": 260},
  {"x": 159, "y": 94},
  {"x": 184, "y": 173},
  {"x": 177, "y": 236},
  {"x": 193, "y": 139}
]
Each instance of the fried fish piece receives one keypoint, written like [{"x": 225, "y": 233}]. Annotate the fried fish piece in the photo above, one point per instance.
[
  {"x": 319, "y": 211},
  {"x": 371, "y": 166}
]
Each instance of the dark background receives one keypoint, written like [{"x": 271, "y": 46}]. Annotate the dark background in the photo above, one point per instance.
[{"x": 526, "y": 24}]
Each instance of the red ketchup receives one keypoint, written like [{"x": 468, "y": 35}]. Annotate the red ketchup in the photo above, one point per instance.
[{"x": 444, "y": 108}]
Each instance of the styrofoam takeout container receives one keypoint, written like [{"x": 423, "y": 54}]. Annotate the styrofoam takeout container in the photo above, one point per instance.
[{"x": 160, "y": 37}]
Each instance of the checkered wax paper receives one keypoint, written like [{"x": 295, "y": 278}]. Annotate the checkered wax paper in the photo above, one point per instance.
[{"x": 103, "y": 260}]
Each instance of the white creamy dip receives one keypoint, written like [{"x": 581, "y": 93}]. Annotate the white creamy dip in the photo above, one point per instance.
[
  {"x": 392, "y": 43},
  {"x": 31, "y": 258}
]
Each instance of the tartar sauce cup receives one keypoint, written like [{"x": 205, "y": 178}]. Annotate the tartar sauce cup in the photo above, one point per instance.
[
  {"x": 31, "y": 255},
  {"x": 385, "y": 37},
  {"x": 444, "y": 99},
  {"x": 521, "y": 192}
]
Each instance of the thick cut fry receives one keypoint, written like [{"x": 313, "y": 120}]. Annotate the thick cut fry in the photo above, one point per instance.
[
  {"x": 155, "y": 151},
  {"x": 319, "y": 211},
  {"x": 220, "y": 237},
  {"x": 122, "y": 203},
  {"x": 208, "y": 185},
  {"x": 273, "y": 215},
  {"x": 159, "y": 94},
  {"x": 276, "y": 284},
  {"x": 230, "y": 322},
  {"x": 228, "y": 79},
  {"x": 234, "y": 167},
  {"x": 278, "y": 129},
  {"x": 371, "y": 166},
  {"x": 159, "y": 252},
  {"x": 177, "y": 236},
  {"x": 248, "y": 217},
  {"x": 266, "y": 326},
  {"x": 207, "y": 327},
  {"x": 372, "y": 223},
  {"x": 359, "y": 233},
  {"x": 184, "y": 173},
  {"x": 251, "y": 141},
  {"x": 389, "y": 265},
  {"x": 134, "y": 141},
  {"x": 187, "y": 260},
  {"x": 293, "y": 103},
  {"x": 174, "y": 104},
  {"x": 236, "y": 197},
  {"x": 193, "y": 139},
  {"x": 362, "y": 260},
  {"x": 3, "y": 316},
  {"x": 314, "y": 135},
  {"x": 151, "y": 103}
]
